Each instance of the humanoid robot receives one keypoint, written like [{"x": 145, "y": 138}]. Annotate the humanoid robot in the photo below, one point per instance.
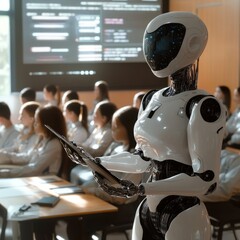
[{"x": 179, "y": 135}]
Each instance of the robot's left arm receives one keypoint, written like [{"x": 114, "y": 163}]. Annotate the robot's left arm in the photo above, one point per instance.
[{"x": 205, "y": 132}]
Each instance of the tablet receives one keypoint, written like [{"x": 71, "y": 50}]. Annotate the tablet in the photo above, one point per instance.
[{"x": 75, "y": 153}]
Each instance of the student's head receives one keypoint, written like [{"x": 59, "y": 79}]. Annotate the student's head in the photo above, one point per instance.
[
  {"x": 51, "y": 116},
  {"x": 5, "y": 112},
  {"x": 27, "y": 94},
  {"x": 75, "y": 110},
  {"x": 223, "y": 93},
  {"x": 101, "y": 91},
  {"x": 50, "y": 92},
  {"x": 123, "y": 122},
  {"x": 103, "y": 113},
  {"x": 137, "y": 99},
  {"x": 69, "y": 95},
  {"x": 27, "y": 113}
]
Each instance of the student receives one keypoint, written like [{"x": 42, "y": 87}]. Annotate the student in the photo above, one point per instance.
[
  {"x": 27, "y": 94},
  {"x": 101, "y": 93},
  {"x": 47, "y": 155},
  {"x": 8, "y": 132},
  {"x": 76, "y": 114},
  {"x": 52, "y": 95},
  {"x": 101, "y": 137},
  {"x": 26, "y": 139}
]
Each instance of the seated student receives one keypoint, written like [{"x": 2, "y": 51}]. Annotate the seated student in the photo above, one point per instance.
[
  {"x": 47, "y": 155},
  {"x": 52, "y": 95},
  {"x": 229, "y": 178},
  {"x": 26, "y": 139},
  {"x": 101, "y": 93},
  {"x": 101, "y": 137},
  {"x": 8, "y": 132},
  {"x": 27, "y": 94},
  {"x": 76, "y": 115}
]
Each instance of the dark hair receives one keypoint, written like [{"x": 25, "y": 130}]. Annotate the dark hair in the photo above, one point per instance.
[
  {"x": 53, "y": 117},
  {"x": 5, "y": 111},
  {"x": 28, "y": 94},
  {"x": 54, "y": 90},
  {"x": 128, "y": 116},
  {"x": 31, "y": 107},
  {"x": 72, "y": 95},
  {"x": 227, "y": 95},
  {"x": 103, "y": 90},
  {"x": 80, "y": 109},
  {"x": 107, "y": 109}
]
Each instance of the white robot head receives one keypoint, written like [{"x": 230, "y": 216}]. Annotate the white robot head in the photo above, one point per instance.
[{"x": 173, "y": 41}]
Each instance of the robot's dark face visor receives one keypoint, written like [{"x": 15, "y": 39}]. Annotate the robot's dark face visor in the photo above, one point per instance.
[{"x": 163, "y": 45}]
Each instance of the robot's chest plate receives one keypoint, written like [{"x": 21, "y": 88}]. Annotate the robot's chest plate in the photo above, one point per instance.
[{"x": 161, "y": 129}]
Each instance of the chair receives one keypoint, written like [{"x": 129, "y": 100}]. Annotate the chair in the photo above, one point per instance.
[
  {"x": 3, "y": 216},
  {"x": 224, "y": 216}
]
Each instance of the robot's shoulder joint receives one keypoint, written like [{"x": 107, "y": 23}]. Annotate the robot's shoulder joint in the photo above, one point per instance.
[{"x": 210, "y": 108}]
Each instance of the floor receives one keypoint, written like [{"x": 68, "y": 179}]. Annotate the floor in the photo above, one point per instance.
[
  {"x": 227, "y": 235},
  {"x": 61, "y": 231}
]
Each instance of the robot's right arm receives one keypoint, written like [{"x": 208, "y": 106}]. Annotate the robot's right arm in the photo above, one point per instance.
[{"x": 125, "y": 162}]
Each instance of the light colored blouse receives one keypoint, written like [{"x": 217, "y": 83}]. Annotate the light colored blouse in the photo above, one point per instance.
[
  {"x": 99, "y": 140},
  {"x": 44, "y": 159},
  {"x": 8, "y": 136},
  {"x": 22, "y": 145},
  {"x": 76, "y": 132}
]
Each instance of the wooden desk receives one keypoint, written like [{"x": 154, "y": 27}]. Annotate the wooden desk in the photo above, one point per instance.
[{"x": 18, "y": 191}]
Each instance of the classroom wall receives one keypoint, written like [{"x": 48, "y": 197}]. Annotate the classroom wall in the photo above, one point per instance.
[{"x": 219, "y": 64}]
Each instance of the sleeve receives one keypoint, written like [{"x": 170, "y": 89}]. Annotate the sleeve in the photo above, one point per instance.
[
  {"x": 79, "y": 136},
  {"x": 98, "y": 148},
  {"x": 48, "y": 159}
]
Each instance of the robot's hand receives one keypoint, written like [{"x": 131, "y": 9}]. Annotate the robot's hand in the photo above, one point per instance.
[
  {"x": 73, "y": 155},
  {"x": 126, "y": 188}
]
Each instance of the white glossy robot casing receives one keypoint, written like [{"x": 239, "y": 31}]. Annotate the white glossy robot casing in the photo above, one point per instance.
[{"x": 175, "y": 129}]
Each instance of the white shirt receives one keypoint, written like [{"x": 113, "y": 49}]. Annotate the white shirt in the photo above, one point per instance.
[
  {"x": 44, "y": 159},
  {"x": 77, "y": 133},
  {"x": 8, "y": 136}
]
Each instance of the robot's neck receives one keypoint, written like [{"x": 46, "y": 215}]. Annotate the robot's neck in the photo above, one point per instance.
[{"x": 183, "y": 80}]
